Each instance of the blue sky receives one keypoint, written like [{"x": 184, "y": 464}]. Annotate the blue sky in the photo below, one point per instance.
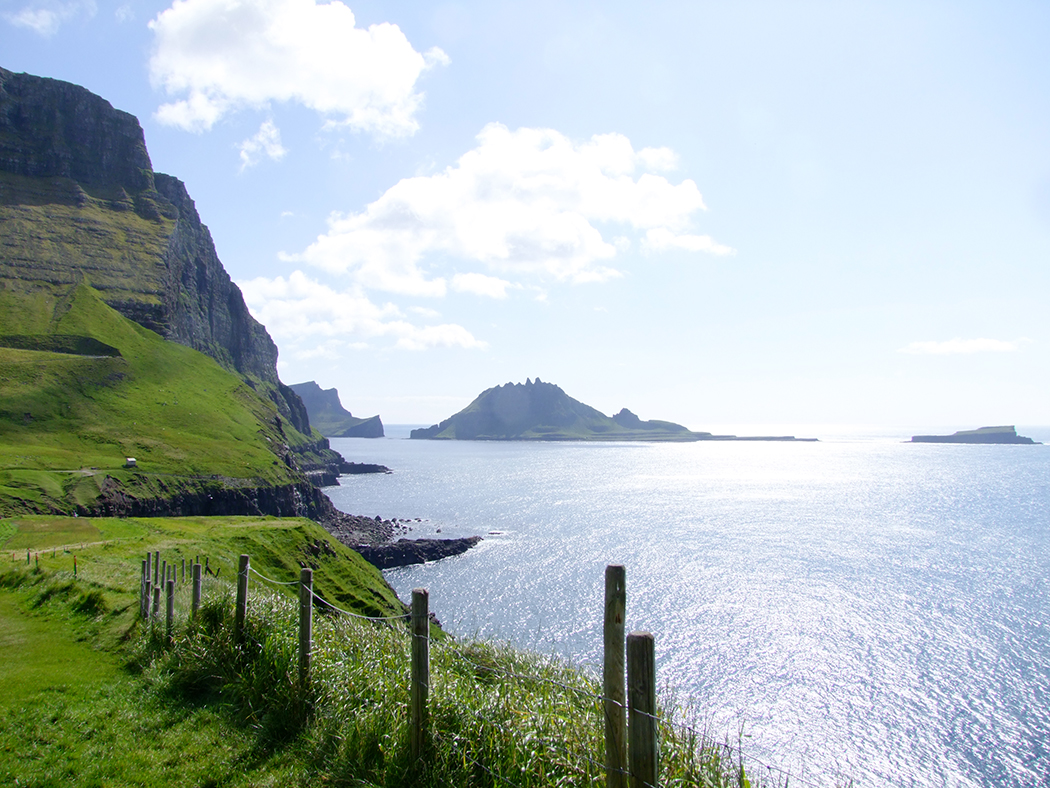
[{"x": 712, "y": 213}]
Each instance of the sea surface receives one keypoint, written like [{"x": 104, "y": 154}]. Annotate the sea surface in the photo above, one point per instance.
[{"x": 858, "y": 608}]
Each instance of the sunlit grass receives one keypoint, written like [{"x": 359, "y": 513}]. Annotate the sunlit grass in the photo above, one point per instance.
[{"x": 207, "y": 710}]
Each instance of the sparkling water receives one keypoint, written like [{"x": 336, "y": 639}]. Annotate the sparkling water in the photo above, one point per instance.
[{"x": 856, "y": 608}]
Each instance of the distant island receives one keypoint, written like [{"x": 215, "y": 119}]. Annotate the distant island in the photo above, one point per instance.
[
  {"x": 982, "y": 435},
  {"x": 327, "y": 414},
  {"x": 538, "y": 411}
]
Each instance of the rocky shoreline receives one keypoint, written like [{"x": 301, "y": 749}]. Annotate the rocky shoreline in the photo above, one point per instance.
[
  {"x": 373, "y": 539},
  {"x": 405, "y": 552}
]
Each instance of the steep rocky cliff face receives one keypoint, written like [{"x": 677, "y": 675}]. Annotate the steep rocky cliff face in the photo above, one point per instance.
[
  {"x": 328, "y": 415},
  {"x": 79, "y": 200}
]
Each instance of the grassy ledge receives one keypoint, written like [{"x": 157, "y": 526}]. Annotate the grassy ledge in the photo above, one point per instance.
[{"x": 130, "y": 707}]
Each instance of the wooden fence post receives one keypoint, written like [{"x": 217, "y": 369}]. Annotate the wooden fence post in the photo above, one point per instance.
[
  {"x": 613, "y": 677},
  {"x": 156, "y": 567},
  {"x": 306, "y": 624},
  {"x": 170, "y": 618},
  {"x": 142, "y": 591},
  {"x": 641, "y": 703},
  {"x": 420, "y": 675},
  {"x": 196, "y": 603},
  {"x": 242, "y": 599},
  {"x": 156, "y": 602},
  {"x": 182, "y": 574}
]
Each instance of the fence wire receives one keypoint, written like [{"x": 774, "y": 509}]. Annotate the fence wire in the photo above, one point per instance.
[{"x": 734, "y": 752}]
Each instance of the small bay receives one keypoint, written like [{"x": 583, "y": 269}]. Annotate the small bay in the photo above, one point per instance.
[{"x": 858, "y": 608}]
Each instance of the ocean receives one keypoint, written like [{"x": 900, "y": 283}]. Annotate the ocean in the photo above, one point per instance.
[{"x": 854, "y": 609}]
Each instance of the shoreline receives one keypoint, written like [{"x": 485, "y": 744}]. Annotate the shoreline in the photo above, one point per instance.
[{"x": 373, "y": 539}]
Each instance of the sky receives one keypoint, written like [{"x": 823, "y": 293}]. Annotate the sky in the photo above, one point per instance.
[{"x": 709, "y": 213}]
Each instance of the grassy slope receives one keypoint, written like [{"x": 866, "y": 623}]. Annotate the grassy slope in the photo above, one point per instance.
[
  {"x": 209, "y": 712},
  {"x": 109, "y": 552},
  {"x": 74, "y": 715},
  {"x": 66, "y": 421},
  {"x": 53, "y": 234}
]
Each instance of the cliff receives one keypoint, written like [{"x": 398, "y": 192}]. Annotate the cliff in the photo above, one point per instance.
[
  {"x": 328, "y": 416},
  {"x": 96, "y": 247},
  {"x": 79, "y": 201}
]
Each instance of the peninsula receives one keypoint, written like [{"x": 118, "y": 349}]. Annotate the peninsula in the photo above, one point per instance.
[
  {"x": 538, "y": 411},
  {"x": 330, "y": 418},
  {"x": 982, "y": 435}
]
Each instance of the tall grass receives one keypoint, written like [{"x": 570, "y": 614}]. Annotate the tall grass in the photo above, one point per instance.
[{"x": 498, "y": 716}]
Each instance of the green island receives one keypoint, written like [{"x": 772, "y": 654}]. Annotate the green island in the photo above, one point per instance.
[
  {"x": 538, "y": 411},
  {"x": 141, "y": 412}
]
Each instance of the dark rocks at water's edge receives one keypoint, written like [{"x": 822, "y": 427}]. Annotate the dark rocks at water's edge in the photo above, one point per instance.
[
  {"x": 372, "y": 538},
  {"x": 406, "y": 552},
  {"x": 328, "y": 476},
  {"x": 355, "y": 468},
  {"x": 997, "y": 435}
]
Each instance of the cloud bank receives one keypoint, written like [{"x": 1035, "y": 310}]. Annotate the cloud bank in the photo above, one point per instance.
[
  {"x": 522, "y": 203},
  {"x": 311, "y": 318},
  {"x": 224, "y": 55}
]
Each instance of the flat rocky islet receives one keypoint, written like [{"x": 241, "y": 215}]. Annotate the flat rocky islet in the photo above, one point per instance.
[{"x": 985, "y": 435}]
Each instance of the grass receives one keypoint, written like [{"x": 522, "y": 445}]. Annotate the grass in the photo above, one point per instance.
[
  {"x": 110, "y": 550},
  {"x": 73, "y": 715},
  {"x": 104, "y": 700},
  {"x": 68, "y": 422}
]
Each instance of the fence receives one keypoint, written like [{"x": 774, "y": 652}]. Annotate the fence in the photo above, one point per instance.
[{"x": 632, "y": 723}]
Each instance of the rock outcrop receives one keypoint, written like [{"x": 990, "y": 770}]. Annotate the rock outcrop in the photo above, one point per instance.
[
  {"x": 330, "y": 418},
  {"x": 134, "y": 234},
  {"x": 405, "y": 552}
]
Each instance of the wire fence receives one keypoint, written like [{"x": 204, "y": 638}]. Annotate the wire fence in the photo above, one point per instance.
[{"x": 632, "y": 771}]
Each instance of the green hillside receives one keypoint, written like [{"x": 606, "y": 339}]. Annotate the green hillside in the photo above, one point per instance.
[
  {"x": 542, "y": 411},
  {"x": 70, "y": 418}
]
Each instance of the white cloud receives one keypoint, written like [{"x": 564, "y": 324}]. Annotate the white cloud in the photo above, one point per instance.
[
  {"x": 480, "y": 284},
  {"x": 522, "y": 202},
  {"x": 46, "y": 17},
  {"x": 222, "y": 55},
  {"x": 423, "y": 311},
  {"x": 957, "y": 346},
  {"x": 659, "y": 159},
  {"x": 267, "y": 140},
  {"x": 306, "y": 316},
  {"x": 660, "y": 239}
]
